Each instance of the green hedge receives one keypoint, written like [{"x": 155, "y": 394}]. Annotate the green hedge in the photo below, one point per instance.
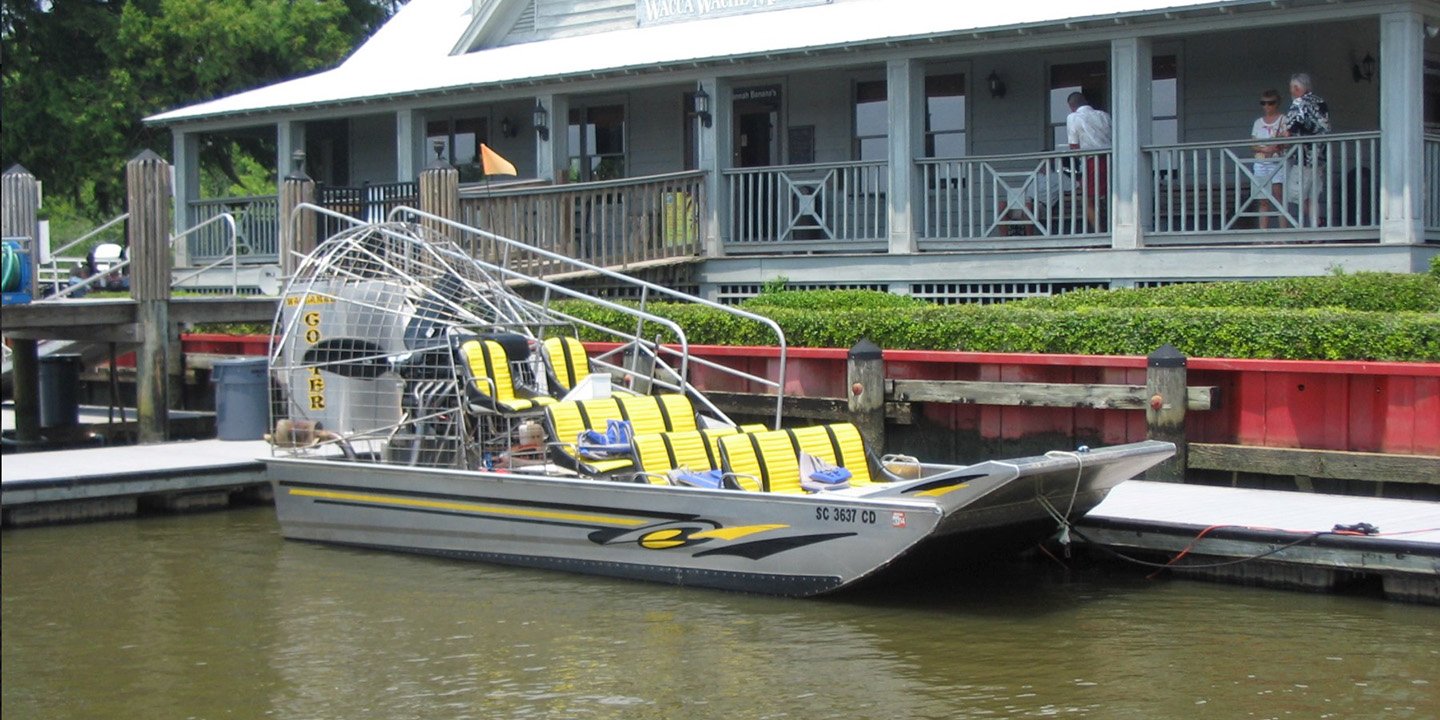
[{"x": 1366, "y": 291}]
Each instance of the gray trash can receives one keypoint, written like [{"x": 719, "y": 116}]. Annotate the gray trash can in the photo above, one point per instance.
[
  {"x": 59, "y": 390},
  {"x": 242, "y": 398}
]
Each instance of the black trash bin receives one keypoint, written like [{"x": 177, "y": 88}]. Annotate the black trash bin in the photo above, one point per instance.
[
  {"x": 59, "y": 390},
  {"x": 242, "y": 398}
]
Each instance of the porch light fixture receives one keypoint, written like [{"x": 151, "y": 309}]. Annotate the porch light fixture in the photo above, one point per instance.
[
  {"x": 439, "y": 147},
  {"x": 700, "y": 104},
  {"x": 508, "y": 128},
  {"x": 996, "y": 85},
  {"x": 1365, "y": 69},
  {"x": 541, "y": 121}
]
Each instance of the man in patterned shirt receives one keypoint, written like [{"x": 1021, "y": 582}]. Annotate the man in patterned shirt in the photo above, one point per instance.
[{"x": 1309, "y": 115}]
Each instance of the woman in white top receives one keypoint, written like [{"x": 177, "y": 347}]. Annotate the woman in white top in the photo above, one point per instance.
[{"x": 1268, "y": 126}]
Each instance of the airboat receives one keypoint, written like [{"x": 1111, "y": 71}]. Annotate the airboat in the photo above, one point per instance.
[{"x": 436, "y": 390}]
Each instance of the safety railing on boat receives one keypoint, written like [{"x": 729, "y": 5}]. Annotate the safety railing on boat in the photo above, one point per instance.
[
  {"x": 1018, "y": 197},
  {"x": 610, "y": 223},
  {"x": 1432, "y": 186},
  {"x": 1221, "y": 187},
  {"x": 824, "y": 203},
  {"x": 512, "y": 259},
  {"x": 256, "y": 235}
]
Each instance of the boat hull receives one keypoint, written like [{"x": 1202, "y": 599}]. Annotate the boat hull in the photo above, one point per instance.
[{"x": 794, "y": 545}]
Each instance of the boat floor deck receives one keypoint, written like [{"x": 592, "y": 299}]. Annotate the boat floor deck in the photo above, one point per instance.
[{"x": 1270, "y": 537}]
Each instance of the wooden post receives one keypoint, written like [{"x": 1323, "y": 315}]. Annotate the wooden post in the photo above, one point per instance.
[
  {"x": 865, "y": 373},
  {"x": 1165, "y": 413},
  {"x": 297, "y": 233},
  {"x": 20, "y": 217},
  {"x": 147, "y": 183},
  {"x": 440, "y": 195}
]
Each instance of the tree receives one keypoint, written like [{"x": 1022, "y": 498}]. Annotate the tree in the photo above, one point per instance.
[{"x": 80, "y": 75}]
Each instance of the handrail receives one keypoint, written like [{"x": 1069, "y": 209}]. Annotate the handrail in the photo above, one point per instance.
[
  {"x": 1221, "y": 144},
  {"x": 55, "y": 254},
  {"x": 805, "y": 166},
  {"x": 646, "y": 286},
  {"x": 234, "y": 252},
  {"x": 509, "y": 191}
]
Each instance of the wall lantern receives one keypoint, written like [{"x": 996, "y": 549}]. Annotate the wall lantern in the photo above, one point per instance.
[
  {"x": 508, "y": 128},
  {"x": 701, "y": 105},
  {"x": 996, "y": 85},
  {"x": 541, "y": 121},
  {"x": 1365, "y": 69}
]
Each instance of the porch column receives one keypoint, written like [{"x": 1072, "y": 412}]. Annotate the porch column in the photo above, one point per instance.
[
  {"x": 185, "y": 149},
  {"x": 289, "y": 137},
  {"x": 552, "y": 148},
  {"x": 905, "y": 103},
  {"x": 1131, "y": 76},
  {"x": 714, "y": 157},
  {"x": 409, "y": 136},
  {"x": 1402, "y": 117}
]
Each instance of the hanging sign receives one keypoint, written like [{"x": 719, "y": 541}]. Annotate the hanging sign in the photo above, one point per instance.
[{"x": 655, "y": 12}]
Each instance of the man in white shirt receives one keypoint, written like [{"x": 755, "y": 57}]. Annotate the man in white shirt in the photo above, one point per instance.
[{"x": 1089, "y": 129}]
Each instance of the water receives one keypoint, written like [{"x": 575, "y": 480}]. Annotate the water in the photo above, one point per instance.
[{"x": 215, "y": 616}]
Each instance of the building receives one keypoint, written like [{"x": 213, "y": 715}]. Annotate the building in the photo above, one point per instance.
[{"x": 909, "y": 145}]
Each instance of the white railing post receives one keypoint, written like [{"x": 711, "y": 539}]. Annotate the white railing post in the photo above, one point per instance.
[
  {"x": 1130, "y": 60},
  {"x": 1402, "y": 98},
  {"x": 905, "y": 83}
]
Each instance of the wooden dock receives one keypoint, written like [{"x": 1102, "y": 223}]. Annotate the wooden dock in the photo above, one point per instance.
[
  {"x": 93, "y": 483},
  {"x": 1273, "y": 538}
]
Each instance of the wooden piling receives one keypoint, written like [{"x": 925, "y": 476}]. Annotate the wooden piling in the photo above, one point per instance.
[
  {"x": 865, "y": 376},
  {"x": 440, "y": 195},
  {"x": 147, "y": 182},
  {"x": 1165, "y": 373},
  {"x": 297, "y": 232},
  {"x": 20, "y": 217}
]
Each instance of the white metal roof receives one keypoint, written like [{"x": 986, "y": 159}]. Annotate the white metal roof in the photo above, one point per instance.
[{"x": 410, "y": 54}]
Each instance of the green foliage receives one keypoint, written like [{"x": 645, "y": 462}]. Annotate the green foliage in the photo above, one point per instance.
[
  {"x": 831, "y": 300},
  {"x": 79, "y": 76},
  {"x": 1368, "y": 319},
  {"x": 1365, "y": 291}
]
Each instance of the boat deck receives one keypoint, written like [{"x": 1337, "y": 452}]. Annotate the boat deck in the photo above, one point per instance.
[{"x": 1276, "y": 538}]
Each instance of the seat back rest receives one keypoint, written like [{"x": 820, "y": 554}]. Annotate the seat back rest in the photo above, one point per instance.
[
  {"x": 567, "y": 361},
  {"x": 657, "y": 413},
  {"x": 679, "y": 412},
  {"x": 567, "y": 419},
  {"x": 769, "y": 456},
  {"x": 838, "y": 444},
  {"x": 653, "y": 459},
  {"x": 487, "y": 372}
]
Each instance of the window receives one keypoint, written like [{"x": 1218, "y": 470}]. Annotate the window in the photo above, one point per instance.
[
  {"x": 597, "y": 143},
  {"x": 459, "y": 138},
  {"x": 872, "y": 121},
  {"x": 1432, "y": 95},
  {"x": 945, "y": 115},
  {"x": 1091, "y": 79},
  {"x": 1088, "y": 78},
  {"x": 1164, "y": 101}
]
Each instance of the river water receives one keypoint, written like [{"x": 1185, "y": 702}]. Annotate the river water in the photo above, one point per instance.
[{"x": 215, "y": 616}]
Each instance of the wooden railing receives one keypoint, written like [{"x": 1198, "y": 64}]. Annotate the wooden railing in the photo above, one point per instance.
[
  {"x": 1222, "y": 187},
  {"x": 807, "y": 204},
  {"x": 1034, "y": 196},
  {"x": 256, "y": 236},
  {"x": 1432, "y": 186},
  {"x": 611, "y": 223}
]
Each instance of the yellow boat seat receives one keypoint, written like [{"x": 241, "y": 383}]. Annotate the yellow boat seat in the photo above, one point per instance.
[
  {"x": 773, "y": 457},
  {"x": 489, "y": 381},
  {"x": 567, "y": 362}
]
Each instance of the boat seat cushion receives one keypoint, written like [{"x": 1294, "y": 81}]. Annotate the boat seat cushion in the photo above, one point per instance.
[
  {"x": 659, "y": 454},
  {"x": 773, "y": 457},
  {"x": 567, "y": 362},
  {"x": 489, "y": 382}
]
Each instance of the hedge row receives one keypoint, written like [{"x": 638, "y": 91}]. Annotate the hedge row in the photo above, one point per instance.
[
  {"x": 1308, "y": 334},
  {"x": 1367, "y": 291}
]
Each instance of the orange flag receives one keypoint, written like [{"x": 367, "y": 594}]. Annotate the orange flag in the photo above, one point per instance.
[{"x": 493, "y": 164}]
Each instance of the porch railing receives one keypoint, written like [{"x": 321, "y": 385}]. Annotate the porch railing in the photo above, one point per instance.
[
  {"x": 610, "y": 223},
  {"x": 256, "y": 230},
  {"x": 1019, "y": 197},
  {"x": 1220, "y": 187},
  {"x": 840, "y": 203},
  {"x": 1432, "y": 187},
  {"x": 371, "y": 202}
]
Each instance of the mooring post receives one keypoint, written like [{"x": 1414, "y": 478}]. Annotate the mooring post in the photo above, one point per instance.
[
  {"x": 147, "y": 193},
  {"x": 20, "y": 217},
  {"x": 865, "y": 373},
  {"x": 1165, "y": 412},
  {"x": 297, "y": 233},
  {"x": 440, "y": 196}
]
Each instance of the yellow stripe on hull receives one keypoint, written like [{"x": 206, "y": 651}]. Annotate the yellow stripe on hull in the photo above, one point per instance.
[{"x": 472, "y": 507}]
